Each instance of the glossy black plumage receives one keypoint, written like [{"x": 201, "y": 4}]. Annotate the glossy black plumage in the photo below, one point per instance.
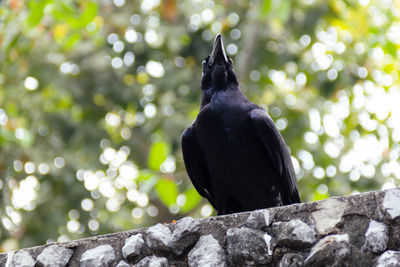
[{"x": 233, "y": 153}]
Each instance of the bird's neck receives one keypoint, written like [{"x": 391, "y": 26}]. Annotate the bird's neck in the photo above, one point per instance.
[
  {"x": 207, "y": 94},
  {"x": 205, "y": 98}
]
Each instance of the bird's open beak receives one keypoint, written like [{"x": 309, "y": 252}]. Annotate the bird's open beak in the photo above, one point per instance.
[{"x": 218, "y": 51}]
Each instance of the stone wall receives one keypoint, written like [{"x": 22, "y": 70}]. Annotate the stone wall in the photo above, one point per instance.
[{"x": 358, "y": 230}]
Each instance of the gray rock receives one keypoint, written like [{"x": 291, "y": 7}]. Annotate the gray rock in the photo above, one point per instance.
[
  {"x": 123, "y": 264},
  {"x": 207, "y": 253},
  {"x": 152, "y": 261},
  {"x": 355, "y": 226},
  {"x": 158, "y": 237},
  {"x": 390, "y": 258},
  {"x": 268, "y": 242},
  {"x": 259, "y": 219},
  {"x": 329, "y": 213},
  {"x": 291, "y": 260},
  {"x": 394, "y": 237},
  {"x": 100, "y": 256},
  {"x": 361, "y": 204},
  {"x": 54, "y": 256},
  {"x": 186, "y": 233},
  {"x": 295, "y": 233},
  {"x": 134, "y": 246},
  {"x": 248, "y": 247},
  {"x": 390, "y": 203},
  {"x": 376, "y": 237},
  {"x": 19, "y": 259},
  {"x": 3, "y": 259},
  {"x": 332, "y": 250}
]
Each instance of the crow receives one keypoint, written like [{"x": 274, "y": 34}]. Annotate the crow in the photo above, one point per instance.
[{"x": 233, "y": 153}]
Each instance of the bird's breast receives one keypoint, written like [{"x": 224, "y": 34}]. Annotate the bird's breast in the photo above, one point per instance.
[{"x": 225, "y": 130}]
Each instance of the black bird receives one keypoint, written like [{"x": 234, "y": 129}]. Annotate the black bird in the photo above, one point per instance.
[{"x": 233, "y": 153}]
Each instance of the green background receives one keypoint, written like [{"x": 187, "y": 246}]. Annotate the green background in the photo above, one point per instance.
[{"x": 94, "y": 96}]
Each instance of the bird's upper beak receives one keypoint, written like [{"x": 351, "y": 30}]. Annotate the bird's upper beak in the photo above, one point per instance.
[{"x": 218, "y": 51}]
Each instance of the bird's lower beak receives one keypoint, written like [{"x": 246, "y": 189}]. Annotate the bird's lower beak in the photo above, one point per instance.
[{"x": 218, "y": 51}]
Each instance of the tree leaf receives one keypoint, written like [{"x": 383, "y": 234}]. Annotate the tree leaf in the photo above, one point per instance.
[
  {"x": 158, "y": 154},
  {"x": 88, "y": 14},
  {"x": 147, "y": 184},
  {"x": 192, "y": 200},
  {"x": 283, "y": 11},
  {"x": 36, "y": 12},
  {"x": 266, "y": 8},
  {"x": 167, "y": 191},
  {"x": 71, "y": 41}
]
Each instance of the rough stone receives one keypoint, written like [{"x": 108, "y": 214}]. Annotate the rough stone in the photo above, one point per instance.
[
  {"x": 332, "y": 250},
  {"x": 20, "y": 259},
  {"x": 54, "y": 256},
  {"x": 355, "y": 226},
  {"x": 329, "y": 213},
  {"x": 291, "y": 260},
  {"x": 100, "y": 256},
  {"x": 295, "y": 233},
  {"x": 376, "y": 237},
  {"x": 122, "y": 264},
  {"x": 186, "y": 233},
  {"x": 152, "y": 261},
  {"x": 207, "y": 252},
  {"x": 248, "y": 247},
  {"x": 134, "y": 246},
  {"x": 158, "y": 237},
  {"x": 391, "y": 203},
  {"x": 394, "y": 237},
  {"x": 260, "y": 219},
  {"x": 390, "y": 258},
  {"x": 3, "y": 259},
  {"x": 361, "y": 204},
  {"x": 367, "y": 233}
]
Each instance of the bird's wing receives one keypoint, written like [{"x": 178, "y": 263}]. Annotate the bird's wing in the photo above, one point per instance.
[
  {"x": 278, "y": 152},
  {"x": 196, "y": 164}
]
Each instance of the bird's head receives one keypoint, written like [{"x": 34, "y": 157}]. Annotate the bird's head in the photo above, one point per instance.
[{"x": 218, "y": 71}]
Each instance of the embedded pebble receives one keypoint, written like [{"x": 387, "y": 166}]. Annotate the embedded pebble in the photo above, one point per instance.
[
  {"x": 291, "y": 260},
  {"x": 152, "y": 261},
  {"x": 260, "y": 219},
  {"x": 158, "y": 237},
  {"x": 376, "y": 237},
  {"x": 248, "y": 247},
  {"x": 390, "y": 258},
  {"x": 134, "y": 246},
  {"x": 20, "y": 258},
  {"x": 329, "y": 251},
  {"x": 99, "y": 256},
  {"x": 295, "y": 233},
  {"x": 391, "y": 203},
  {"x": 329, "y": 213},
  {"x": 55, "y": 256},
  {"x": 207, "y": 252},
  {"x": 186, "y": 233},
  {"x": 123, "y": 264},
  {"x": 268, "y": 242}
]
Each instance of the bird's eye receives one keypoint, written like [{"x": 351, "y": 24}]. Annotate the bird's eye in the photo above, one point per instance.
[{"x": 204, "y": 63}]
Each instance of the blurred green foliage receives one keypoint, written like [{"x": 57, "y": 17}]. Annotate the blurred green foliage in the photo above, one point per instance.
[{"x": 94, "y": 96}]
